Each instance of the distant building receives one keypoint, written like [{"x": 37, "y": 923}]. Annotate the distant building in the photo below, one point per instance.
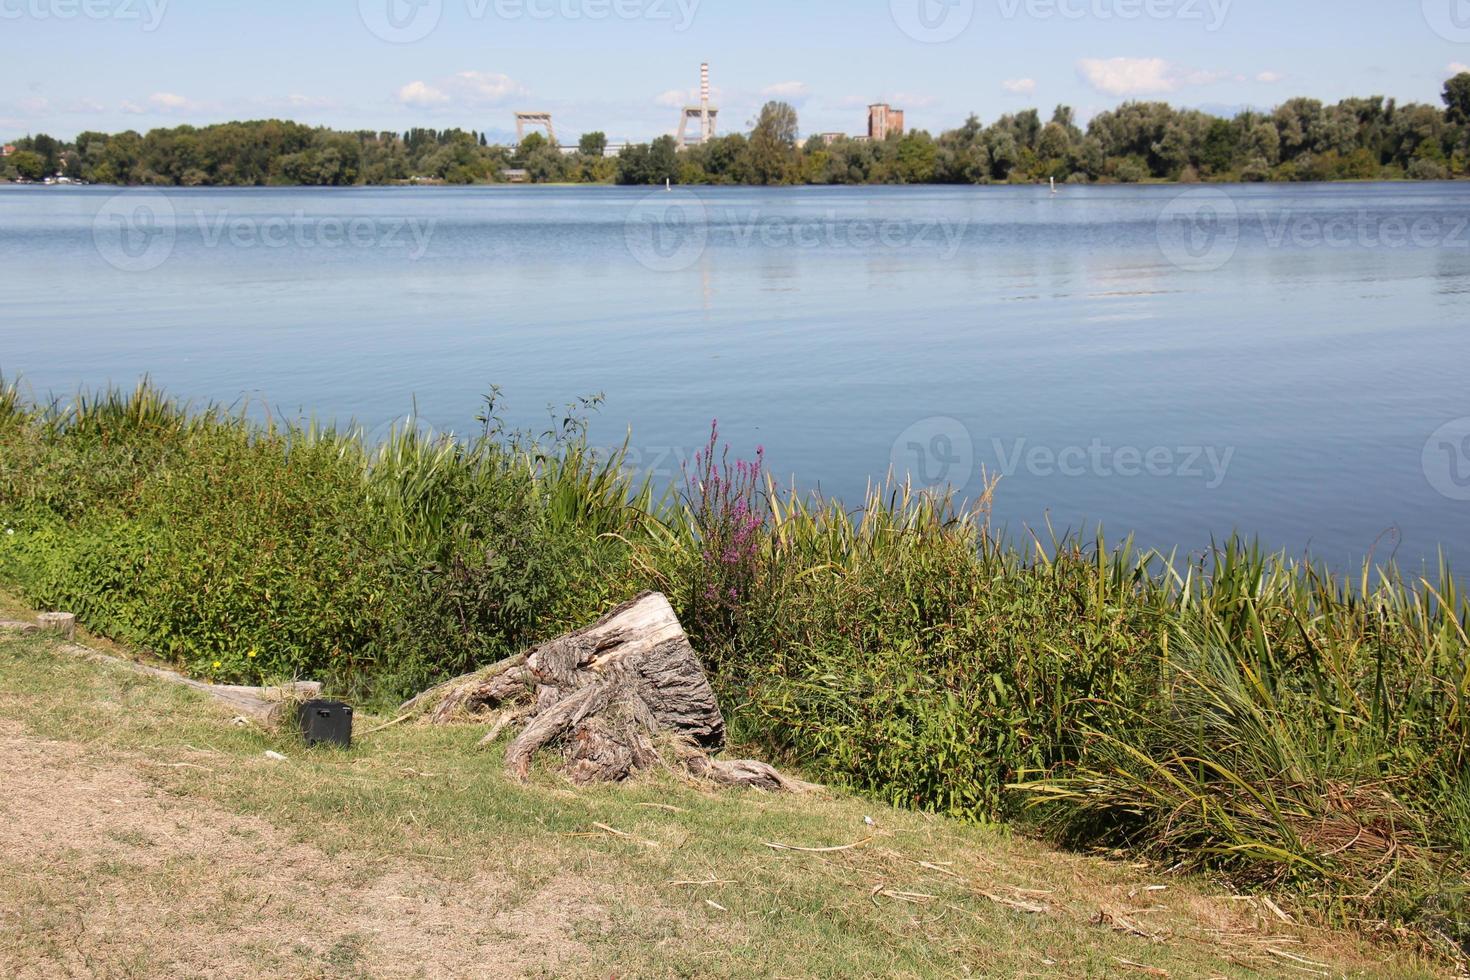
[
  {"x": 9, "y": 149},
  {"x": 884, "y": 121},
  {"x": 515, "y": 176},
  {"x": 827, "y": 139}
]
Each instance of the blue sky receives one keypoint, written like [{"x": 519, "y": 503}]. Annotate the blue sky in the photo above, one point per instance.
[{"x": 624, "y": 66}]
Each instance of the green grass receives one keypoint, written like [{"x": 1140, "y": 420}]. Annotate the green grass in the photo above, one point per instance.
[
  {"x": 1275, "y": 722},
  {"x": 324, "y": 864}
]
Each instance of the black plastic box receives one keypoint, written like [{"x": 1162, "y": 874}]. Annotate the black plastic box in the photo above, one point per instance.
[{"x": 326, "y": 723}]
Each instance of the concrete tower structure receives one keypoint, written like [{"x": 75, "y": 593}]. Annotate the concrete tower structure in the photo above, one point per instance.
[{"x": 704, "y": 113}]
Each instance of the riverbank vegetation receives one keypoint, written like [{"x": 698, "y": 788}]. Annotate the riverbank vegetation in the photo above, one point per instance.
[
  {"x": 1303, "y": 139},
  {"x": 1281, "y": 725}
]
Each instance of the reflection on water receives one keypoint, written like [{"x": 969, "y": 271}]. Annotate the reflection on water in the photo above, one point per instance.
[{"x": 1098, "y": 348}]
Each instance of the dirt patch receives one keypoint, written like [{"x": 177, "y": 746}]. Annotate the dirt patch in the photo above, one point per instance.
[{"x": 104, "y": 872}]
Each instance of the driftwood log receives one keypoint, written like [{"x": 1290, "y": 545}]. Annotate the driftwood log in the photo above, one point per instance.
[
  {"x": 616, "y": 698},
  {"x": 268, "y": 707}
]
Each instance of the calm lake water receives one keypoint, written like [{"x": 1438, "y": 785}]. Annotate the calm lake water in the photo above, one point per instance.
[{"x": 1292, "y": 362}]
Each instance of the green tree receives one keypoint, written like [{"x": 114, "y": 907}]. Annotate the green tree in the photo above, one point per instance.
[
  {"x": 663, "y": 160},
  {"x": 529, "y": 146},
  {"x": 917, "y": 158},
  {"x": 592, "y": 144},
  {"x": 1457, "y": 99},
  {"x": 772, "y": 149},
  {"x": 29, "y": 164}
]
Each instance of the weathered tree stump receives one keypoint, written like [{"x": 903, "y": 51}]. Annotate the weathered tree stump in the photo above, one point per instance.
[
  {"x": 62, "y": 623},
  {"x": 616, "y": 698}
]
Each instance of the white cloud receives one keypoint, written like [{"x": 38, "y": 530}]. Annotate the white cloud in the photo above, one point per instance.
[
  {"x": 1270, "y": 77},
  {"x": 484, "y": 88},
  {"x": 171, "y": 102},
  {"x": 1019, "y": 86},
  {"x": 676, "y": 98},
  {"x": 1458, "y": 68},
  {"x": 421, "y": 95},
  {"x": 1141, "y": 76},
  {"x": 474, "y": 89},
  {"x": 786, "y": 90}
]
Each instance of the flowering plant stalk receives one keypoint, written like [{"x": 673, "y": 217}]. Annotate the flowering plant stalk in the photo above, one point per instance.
[{"x": 724, "y": 507}]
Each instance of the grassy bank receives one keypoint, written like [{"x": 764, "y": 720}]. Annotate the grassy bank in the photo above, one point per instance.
[
  {"x": 164, "y": 843},
  {"x": 1278, "y": 724}
]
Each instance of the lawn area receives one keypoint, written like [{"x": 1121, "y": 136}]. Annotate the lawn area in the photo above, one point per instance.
[{"x": 143, "y": 834}]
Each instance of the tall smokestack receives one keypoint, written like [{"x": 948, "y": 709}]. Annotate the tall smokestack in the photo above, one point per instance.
[{"x": 704, "y": 84}]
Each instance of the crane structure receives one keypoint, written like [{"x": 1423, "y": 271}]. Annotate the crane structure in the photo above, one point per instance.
[{"x": 524, "y": 119}]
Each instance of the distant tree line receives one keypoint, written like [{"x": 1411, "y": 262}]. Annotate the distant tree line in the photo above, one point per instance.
[{"x": 1303, "y": 139}]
